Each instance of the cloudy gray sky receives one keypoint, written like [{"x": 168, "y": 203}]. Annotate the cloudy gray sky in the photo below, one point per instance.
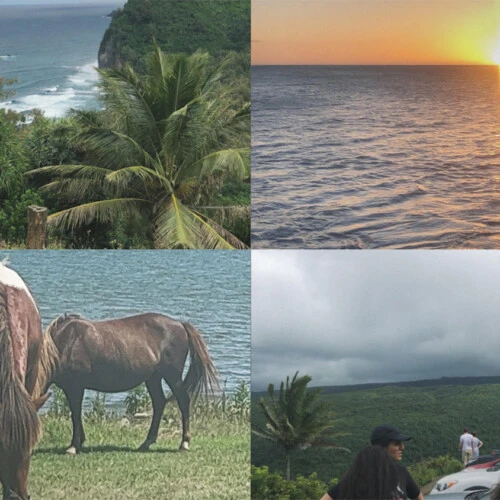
[{"x": 349, "y": 317}]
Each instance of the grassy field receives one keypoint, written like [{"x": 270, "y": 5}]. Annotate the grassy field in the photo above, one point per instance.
[{"x": 110, "y": 467}]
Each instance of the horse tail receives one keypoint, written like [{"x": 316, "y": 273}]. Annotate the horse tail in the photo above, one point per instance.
[
  {"x": 47, "y": 364},
  {"x": 19, "y": 424},
  {"x": 202, "y": 375}
]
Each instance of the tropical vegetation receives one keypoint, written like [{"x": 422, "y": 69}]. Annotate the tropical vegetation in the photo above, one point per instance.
[
  {"x": 109, "y": 184},
  {"x": 159, "y": 153},
  {"x": 296, "y": 419},
  {"x": 432, "y": 412},
  {"x": 217, "y": 27},
  {"x": 165, "y": 164}
]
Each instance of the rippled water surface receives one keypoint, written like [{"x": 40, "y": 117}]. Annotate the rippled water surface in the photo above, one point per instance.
[
  {"x": 371, "y": 157},
  {"x": 211, "y": 289}
]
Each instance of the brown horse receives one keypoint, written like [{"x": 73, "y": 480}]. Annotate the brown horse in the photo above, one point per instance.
[
  {"x": 118, "y": 354},
  {"x": 20, "y": 342}
]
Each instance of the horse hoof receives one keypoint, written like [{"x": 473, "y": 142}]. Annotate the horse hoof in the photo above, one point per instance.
[
  {"x": 71, "y": 451},
  {"x": 184, "y": 446}
]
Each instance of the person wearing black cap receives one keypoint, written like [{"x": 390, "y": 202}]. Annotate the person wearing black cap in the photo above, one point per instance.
[{"x": 391, "y": 440}]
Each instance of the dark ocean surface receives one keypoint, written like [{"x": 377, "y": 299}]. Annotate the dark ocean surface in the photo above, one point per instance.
[{"x": 375, "y": 157}]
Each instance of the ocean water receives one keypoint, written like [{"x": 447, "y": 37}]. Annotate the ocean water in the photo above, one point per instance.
[
  {"x": 52, "y": 51},
  {"x": 375, "y": 157},
  {"x": 211, "y": 289}
]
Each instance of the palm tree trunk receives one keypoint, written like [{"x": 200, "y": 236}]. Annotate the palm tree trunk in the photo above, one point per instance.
[{"x": 287, "y": 456}]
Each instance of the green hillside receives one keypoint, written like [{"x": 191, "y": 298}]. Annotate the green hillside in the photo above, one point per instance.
[
  {"x": 178, "y": 26},
  {"x": 433, "y": 415}
]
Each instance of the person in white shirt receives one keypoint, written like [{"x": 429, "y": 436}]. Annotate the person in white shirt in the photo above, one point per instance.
[
  {"x": 477, "y": 444},
  {"x": 466, "y": 445}
]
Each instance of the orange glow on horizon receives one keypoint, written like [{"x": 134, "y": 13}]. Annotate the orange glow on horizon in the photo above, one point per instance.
[{"x": 375, "y": 32}]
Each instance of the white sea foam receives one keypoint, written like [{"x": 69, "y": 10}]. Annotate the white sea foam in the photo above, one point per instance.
[
  {"x": 86, "y": 75},
  {"x": 77, "y": 92}
]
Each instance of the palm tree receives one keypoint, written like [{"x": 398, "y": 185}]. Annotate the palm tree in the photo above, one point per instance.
[
  {"x": 297, "y": 419},
  {"x": 162, "y": 147}
]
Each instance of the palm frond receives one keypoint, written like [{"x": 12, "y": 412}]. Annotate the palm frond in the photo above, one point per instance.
[
  {"x": 179, "y": 227},
  {"x": 71, "y": 171},
  {"x": 231, "y": 163},
  {"x": 114, "y": 149},
  {"x": 100, "y": 211},
  {"x": 129, "y": 106},
  {"x": 296, "y": 418},
  {"x": 149, "y": 178},
  {"x": 228, "y": 214},
  {"x": 210, "y": 225}
]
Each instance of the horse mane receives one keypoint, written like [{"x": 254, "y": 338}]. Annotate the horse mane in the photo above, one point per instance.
[
  {"x": 49, "y": 354},
  {"x": 62, "y": 320},
  {"x": 19, "y": 424}
]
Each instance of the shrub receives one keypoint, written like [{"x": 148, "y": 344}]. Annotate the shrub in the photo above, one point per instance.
[
  {"x": 59, "y": 406},
  {"x": 434, "y": 468},
  {"x": 272, "y": 486},
  {"x": 137, "y": 401},
  {"x": 97, "y": 412}
]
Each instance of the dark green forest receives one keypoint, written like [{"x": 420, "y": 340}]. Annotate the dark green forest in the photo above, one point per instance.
[
  {"x": 177, "y": 26},
  {"x": 434, "y": 415},
  {"x": 86, "y": 166}
]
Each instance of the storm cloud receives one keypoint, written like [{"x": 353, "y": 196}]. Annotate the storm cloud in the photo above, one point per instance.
[{"x": 351, "y": 317}]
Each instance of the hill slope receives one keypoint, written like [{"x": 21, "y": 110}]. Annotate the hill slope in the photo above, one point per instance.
[
  {"x": 433, "y": 415},
  {"x": 178, "y": 26}
]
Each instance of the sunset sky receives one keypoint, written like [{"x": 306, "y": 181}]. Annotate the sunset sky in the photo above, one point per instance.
[{"x": 375, "y": 31}]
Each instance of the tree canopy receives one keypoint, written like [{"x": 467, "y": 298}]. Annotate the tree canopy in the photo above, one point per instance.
[
  {"x": 297, "y": 418},
  {"x": 162, "y": 148},
  {"x": 186, "y": 26}
]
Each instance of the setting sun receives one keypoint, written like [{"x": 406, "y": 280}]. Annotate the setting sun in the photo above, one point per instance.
[{"x": 495, "y": 56}]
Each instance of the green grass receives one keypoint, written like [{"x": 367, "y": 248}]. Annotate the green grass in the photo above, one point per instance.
[{"x": 109, "y": 467}]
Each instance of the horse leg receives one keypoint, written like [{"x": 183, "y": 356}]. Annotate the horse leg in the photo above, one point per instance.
[
  {"x": 75, "y": 398},
  {"x": 174, "y": 380},
  {"x": 159, "y": 400}
]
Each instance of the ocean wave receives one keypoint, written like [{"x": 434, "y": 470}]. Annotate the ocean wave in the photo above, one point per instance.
[
  {"x": 8, "y": 57},
  {"x": 85, "y": 75},
  {"x": 77, "y": 91}
]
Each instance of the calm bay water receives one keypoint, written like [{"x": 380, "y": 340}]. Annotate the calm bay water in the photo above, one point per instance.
[
  {"x": 211, "y": 289},
  {"x": 375, "y": 157},
  {"x": 52, "y": 51}
]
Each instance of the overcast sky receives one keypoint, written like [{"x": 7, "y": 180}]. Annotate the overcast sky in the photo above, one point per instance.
[{"x": 349, "y": 317}]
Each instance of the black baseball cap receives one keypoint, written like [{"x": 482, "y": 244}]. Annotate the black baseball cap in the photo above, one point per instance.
[{"x": 383, "y": 434}]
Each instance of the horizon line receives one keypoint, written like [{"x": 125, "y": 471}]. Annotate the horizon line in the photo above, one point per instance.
[
  {"x": 382, "y": 64},
  {"x": 444, "y": 377}
]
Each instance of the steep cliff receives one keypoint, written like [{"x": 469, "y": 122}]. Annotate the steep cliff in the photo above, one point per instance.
[{"x": 217, "y": 26}]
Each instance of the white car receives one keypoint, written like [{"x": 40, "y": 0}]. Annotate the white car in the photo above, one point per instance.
[
  {"x": 468, "y": 480},
  {"x": 465, "y": 495}
]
